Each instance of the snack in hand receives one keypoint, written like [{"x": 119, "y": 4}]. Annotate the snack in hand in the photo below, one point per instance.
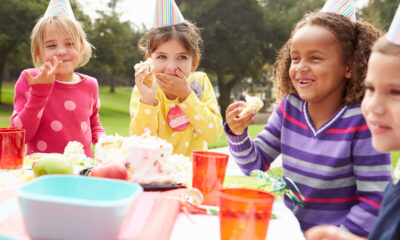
[
  {"x": 252, "y": 103},
  {"x": 147, "y": 67}
]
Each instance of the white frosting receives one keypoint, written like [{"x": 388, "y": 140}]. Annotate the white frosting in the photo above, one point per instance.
[
  {"x": 75, "y": 153},
  {"x": 252, "y": 103},
  {"x": 146, "y": 66},
  {"x": 110, "y": 149},
  {"x": 146, "y": 158},
  {"x": 149, "y": 158}
]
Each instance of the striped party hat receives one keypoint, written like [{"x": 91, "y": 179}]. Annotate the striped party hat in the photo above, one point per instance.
[
  {"x": 59, "y": 7},
  {"x": 341, "y": 7},
  {"x": 167, "y": 14},
  {"x": 394, "y": 31}
]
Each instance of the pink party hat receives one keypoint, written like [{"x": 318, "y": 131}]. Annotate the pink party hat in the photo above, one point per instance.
[
  {"x": 59, "y": 7},
  {"x": 341, "y": 7},
  {"x": 394, "y": 31},
  {"x": 167, "y": 14}
]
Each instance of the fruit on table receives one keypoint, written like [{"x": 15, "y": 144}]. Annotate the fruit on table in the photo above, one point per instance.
[
  {"x": 52, "y": 164},
  {"x": 110, "y": 170}
]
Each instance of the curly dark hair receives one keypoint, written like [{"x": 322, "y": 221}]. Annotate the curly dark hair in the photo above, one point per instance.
[
  {"x": 186, "y": 32},
  {"x": 354, "y": 38}
]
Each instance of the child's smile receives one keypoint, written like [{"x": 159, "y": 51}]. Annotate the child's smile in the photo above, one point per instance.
[
  {"x": 304, "y": 82},
  {"x": 58, "y": 44},
  {"x": 317, "y": 70}
]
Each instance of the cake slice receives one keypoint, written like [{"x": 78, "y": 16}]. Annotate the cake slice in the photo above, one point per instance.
[
  {"x": 147, "y": 67},
  {"x": 252, "y": 103}
]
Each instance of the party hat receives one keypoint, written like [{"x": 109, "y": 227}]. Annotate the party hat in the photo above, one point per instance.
[
  {"x": 167, "y": 14},
  {"x": 341, "y": 7},
  {"x": 394, "y": 31},
  {"x": 59, "y": 7}
]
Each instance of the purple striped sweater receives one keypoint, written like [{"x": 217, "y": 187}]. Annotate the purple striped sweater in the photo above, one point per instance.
[{"x": 339, "y": 173}]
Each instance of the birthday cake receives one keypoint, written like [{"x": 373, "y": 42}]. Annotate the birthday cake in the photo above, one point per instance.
[
  {"x": 75, "y": 153},
  {"x": 146, "y": 67},
  {"x": 149, "y": 159}
]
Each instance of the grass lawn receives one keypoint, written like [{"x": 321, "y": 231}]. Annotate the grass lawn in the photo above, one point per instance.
[{"x": 114, "y": 114}]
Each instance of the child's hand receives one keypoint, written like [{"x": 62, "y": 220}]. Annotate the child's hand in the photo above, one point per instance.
[
  {"x": 46, "y": 74},
  {"x": 325, "y": 232},
  {"x": 237, "y": 124},
  {"x": 177, "y": 86},
  {"x": 148, "y": 93}
]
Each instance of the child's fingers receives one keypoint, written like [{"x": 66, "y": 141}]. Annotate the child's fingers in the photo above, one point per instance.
[
  {"x": 165, "y": 78},
  {"x": 28, "y": 77},
  {"x": 46, "y": 69},
  {"x": 234, "y": 105},
  {"x": 51, "y": 63},
  {"x": 55, "y": 68},
  {"x": 181, "y": 74},
  {"x": 233, "y": 113},
  {"x": 161, "y": 84},
  {"x": 249, "y": 119},
  {"x": 54, "y": 61}
]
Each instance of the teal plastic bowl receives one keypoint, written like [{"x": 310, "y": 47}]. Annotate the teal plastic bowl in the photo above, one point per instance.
[{"x": 75, "y": 207}]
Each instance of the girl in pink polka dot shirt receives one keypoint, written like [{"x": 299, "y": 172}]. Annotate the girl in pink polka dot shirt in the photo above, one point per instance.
[{"x": 53, "y": 103}]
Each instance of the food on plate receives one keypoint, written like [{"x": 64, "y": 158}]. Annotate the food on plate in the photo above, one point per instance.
[
  {"x": 147, "y": 68},
  {"x": 15, "y": 178},
  {"x": 111, "y": 149},
  {"x": 75, "y": 153},
  {"x": 52, "y": 163},
  {"x": 149, "y": 159},
  {"x": 252, "y": 103},
  {"x": 110, "y": 170}
]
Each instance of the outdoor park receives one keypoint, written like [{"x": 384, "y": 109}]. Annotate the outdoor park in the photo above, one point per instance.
[
  {"x": 113, "y": 126},
  {"x": 236, "y": 57}
]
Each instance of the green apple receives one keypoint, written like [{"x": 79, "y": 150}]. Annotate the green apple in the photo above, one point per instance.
[{"x": 52, "y": 163}]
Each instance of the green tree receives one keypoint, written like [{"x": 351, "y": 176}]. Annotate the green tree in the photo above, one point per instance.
[
  {"x": 233, "y": 35},
  {"x": 113, "y": 47},
  {"x": 17, "y": 19},
  {"x": 380, "y": 13},
  {"x": 280, "y": 18},
  {"x": 241, "y": 36}
]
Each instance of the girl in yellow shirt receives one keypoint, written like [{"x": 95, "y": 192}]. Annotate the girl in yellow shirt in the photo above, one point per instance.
[{"x": 181, "y": 107}]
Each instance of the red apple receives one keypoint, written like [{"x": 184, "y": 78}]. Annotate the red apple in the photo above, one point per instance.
[{"x": 110, "y": 170}]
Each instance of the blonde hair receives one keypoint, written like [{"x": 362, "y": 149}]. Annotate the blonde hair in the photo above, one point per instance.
[
  {"x": 70, "y": 27},
  {"x": 384, "y": 46}
]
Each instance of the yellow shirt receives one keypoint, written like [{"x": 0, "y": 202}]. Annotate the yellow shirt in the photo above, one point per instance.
[{"x": 200, "y": 107}]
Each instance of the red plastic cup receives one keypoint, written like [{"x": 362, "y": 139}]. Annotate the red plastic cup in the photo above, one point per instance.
[
  {"x": 244, "y": 213},
  {"x": 208, "y": 174},
  {"x": 12, "y": 142}
]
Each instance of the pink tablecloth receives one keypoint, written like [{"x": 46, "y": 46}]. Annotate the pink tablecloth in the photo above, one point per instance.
[
  {"x": 152, "y": 210},
  {"x": 156, "y": 216}
]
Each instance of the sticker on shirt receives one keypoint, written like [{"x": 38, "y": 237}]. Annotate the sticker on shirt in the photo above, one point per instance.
[
  {"x": 177, "y": 119},
  {"x": 197, "y": 89}
]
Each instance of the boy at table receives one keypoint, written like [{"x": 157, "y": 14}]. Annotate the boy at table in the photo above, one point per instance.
[{"x": 381, "y": 108}]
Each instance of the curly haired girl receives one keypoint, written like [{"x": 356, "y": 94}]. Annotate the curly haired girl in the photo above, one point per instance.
[{"x": 318, "y": 126}]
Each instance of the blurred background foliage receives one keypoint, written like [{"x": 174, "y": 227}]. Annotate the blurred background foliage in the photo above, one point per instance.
[{"x": 241, "y": 39}]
